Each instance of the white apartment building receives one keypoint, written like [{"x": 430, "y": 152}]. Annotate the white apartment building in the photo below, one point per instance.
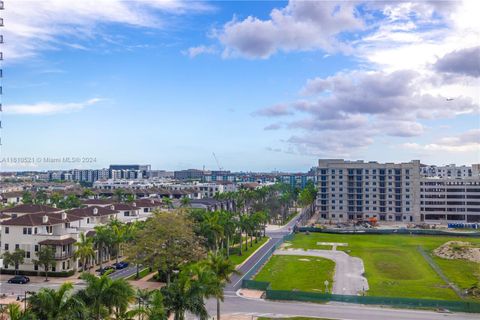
[
  {"x": 31, "y": 231},
  {"x": 450, "y": 171},
  {"x": 450, "y": 200},
  {"x": 360, "y": 190}
]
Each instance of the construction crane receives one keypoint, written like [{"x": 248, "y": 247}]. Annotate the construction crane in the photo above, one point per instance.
[{"x": 216, "y": 160}]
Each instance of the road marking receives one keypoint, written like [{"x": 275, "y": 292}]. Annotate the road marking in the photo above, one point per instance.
[{"x": 243, "y": 276}]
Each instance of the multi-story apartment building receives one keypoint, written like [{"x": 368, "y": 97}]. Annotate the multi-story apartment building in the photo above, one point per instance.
[
  {"x": 450, "y": 171},
  {"x": 450, "y": 200},
  {"x": 398, "y": 192},
  {"x": 357, "y": 190},
  {"x": 60, "y": 230}
]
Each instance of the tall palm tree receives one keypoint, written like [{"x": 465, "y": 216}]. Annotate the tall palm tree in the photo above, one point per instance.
[
  {"x": 106, "y": 296},
  {"x": 118, "y": 235},
  {"x": 223, "y": 269},
  {"x": 150, "y": 306},
  {"x": 85, "y": 250},
  {"x": 185, "y": 202},
  {"x": 59, "y": 304},
  {"x": 187, "y": 292},
  {"x": 168, "y": 202},
  {"x": 102, "y": 240}
]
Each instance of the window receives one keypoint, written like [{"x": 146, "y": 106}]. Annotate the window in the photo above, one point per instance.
[
  {"x": 35, "y": 267},
  {"x": 24, "y": 230},
  {"x": 6, "y": 246},
  {"x": 27, "y": 254},
  {"x": 17, "y": 246},
  {"x": 36, "y": 248},
  {"x": 7, "y": 230}
]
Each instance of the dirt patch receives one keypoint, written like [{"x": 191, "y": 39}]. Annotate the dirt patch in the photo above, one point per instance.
[
  {"x": 248, "y": 293},
  {"x": 458, "y": 250},
  {"x": 303, "y": 259}
]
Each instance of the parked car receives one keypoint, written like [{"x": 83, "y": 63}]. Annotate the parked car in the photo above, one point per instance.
[
  {"x": 120, "y": 265},
  {"x": 19, "y": 279},
  {"x": 105, "y": 269}
]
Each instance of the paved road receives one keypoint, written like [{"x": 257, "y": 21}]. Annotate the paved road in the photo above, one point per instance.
[
  {"x": 234, "y": 304},
  {"x": 275, "y": 237},
  {"x": 348, "y": 278}
]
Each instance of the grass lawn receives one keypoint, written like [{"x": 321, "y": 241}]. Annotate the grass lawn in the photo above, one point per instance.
[
  {"x": 236, "y": 259},
  {"x": 297, "y": 272},
  {"x": 395, "y": 268}
]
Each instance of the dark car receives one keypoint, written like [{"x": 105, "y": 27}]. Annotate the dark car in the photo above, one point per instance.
[
  {"x": 120, "y": 265},
  {"x": 106, "y": 269},
  {"x": 19, "y": 279}
]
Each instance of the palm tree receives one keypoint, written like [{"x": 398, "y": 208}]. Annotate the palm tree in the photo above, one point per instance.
[
  {"x": 102, "y": 240},
  {"x": 85, "y": 250},
  {"x": 223, "y": 269},
  {"x": 59, "y": 304},
  {"x": 106, "y": 296},
  {"x": 168, "y": 202},
  {"x": 55, "y": 199},
  {"x": 187, "y": 292},
  {"x": 150, "y": 305},
  {"x": 118, "y": 235},
  {"x": 185, "y": 202},
  {"x": 120, "y": 194}
]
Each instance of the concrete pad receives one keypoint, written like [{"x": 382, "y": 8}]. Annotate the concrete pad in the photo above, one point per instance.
[{"x": 348, "y": 278}]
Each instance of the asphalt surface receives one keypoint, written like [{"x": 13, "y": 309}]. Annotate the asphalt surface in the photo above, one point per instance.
[
  {"x": 257, "y": 307},
  {"x": 348, "y": 278}
]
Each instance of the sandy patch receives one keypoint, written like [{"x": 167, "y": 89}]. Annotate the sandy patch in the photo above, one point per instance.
[
  {"x": 458, "y": 250},
  {"x": 249, "y": 293},
  {"x": 303, "y": 259}
]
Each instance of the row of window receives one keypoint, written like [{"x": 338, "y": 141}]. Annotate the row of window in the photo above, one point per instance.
[{"x": 365, "y": 171}]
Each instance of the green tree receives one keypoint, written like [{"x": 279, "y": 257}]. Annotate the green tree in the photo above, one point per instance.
[
  {"x": 27, "y": 197},
  {"x": 103, "y": 241},
  {"x": 222, "y": 269},
  {"x": 185, "y": 202},
  {"x": 118, "y": 235},
  {"x": 13, "y": 311},
  {"x": 106, "y": 296},
  {"x": 45, "y": 258},
  {"x": 85, "y": 250},
  {"x": 55, "y": 199},
  {"x": 130, "y": 198},
  {"x": 16, "y": 258},
  {"x": 167, "y": 202},
  {"x": 186, "y": 294},
  {"x": 61, "y": 304},
  {"x": 41, "y": 197},
  {"x": 87, "y": 193},
  {"x": 166, "y": 242},
  {"x": 149, "y": 306},
  {"x": 119, "y": 194}
]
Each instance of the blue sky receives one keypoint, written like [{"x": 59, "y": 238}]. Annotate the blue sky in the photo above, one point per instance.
[{"x": 264, "y": 85}]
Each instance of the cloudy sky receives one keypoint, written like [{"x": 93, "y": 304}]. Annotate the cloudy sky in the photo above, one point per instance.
[{"x": 264, "y": 85}]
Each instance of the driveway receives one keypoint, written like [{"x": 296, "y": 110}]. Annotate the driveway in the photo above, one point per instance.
[{"x": 348, "y": 278}]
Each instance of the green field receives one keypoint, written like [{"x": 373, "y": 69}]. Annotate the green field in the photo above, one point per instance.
[
  {"x": 236, "y": 259},
  {"x": 297, "y": 273},
  {"x": 395, "y": 268}
]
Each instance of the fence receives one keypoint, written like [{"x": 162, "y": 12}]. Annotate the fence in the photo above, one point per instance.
[
  {"x": 458, "y": 306},
  {"x": 392, "y": 231}
]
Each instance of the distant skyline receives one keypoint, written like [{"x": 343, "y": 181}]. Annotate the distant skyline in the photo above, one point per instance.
[{"x": 271, "y": 85}]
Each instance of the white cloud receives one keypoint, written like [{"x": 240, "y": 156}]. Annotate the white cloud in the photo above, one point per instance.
[
  {"x": 300, "y": 26},
  {"x": 466, "y": 142},
  {"x": 192, "y": 52},
  {"x": 33, "y": 26},
  {"x": 48, "y": 108}
]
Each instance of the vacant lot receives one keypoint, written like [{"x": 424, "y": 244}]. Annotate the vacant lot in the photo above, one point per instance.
[
  {"x": 395, "y": 268},
  {"x": 297, "y": 273}
]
